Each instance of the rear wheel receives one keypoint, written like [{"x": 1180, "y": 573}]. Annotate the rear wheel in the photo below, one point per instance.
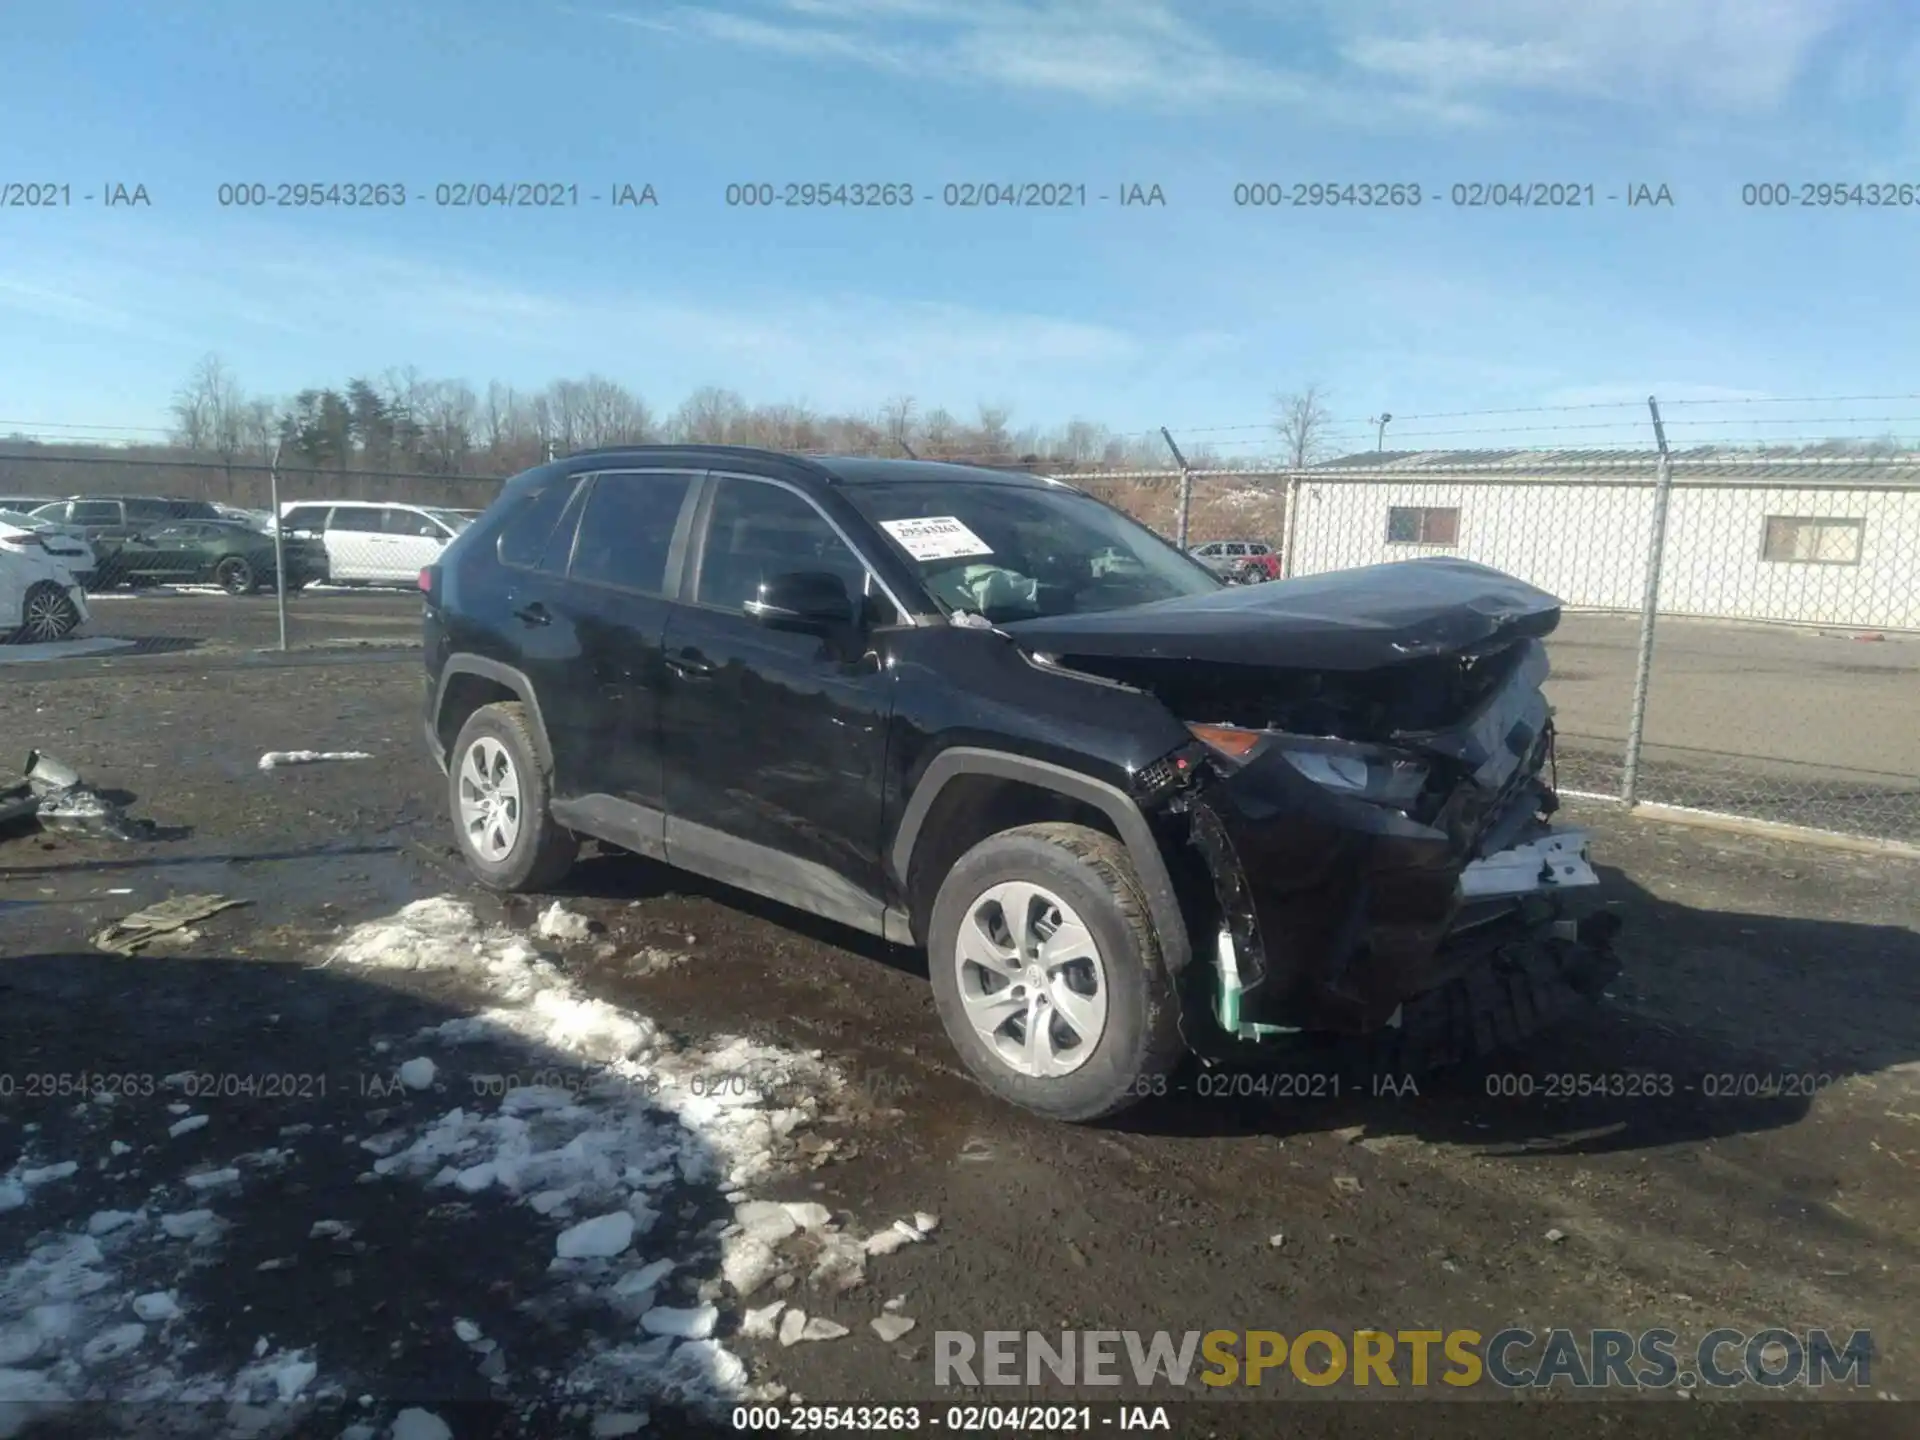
[
  {"x": 1048, "y": 976},
  {"x": 48, "y": 613},
  {"x": 1252, "y": 574},
  {"x": 498, "y": 794},
  {"x": 235, "y": 575}
]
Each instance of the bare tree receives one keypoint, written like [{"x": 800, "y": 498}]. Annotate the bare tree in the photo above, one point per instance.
[
  {"x": 896, "y": 417},
  {"x": 1303, "y": 422},
  {"x": 209, "y": 411}
]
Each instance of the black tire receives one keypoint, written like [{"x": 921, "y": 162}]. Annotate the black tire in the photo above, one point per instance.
[
  {"x": 1140, "y": 1045},
  {"x": 1252, "y": 574},
  {"x": 235, "y": 575},
  {"x": 47, "y": 614},
  {"x": 542, "y": 852}
]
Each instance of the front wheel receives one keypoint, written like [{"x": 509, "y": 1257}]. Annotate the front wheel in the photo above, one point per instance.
[
  {"x": 498, "y": 795},
  {"x": 1048, "y": 976},
  {"x": 48, "y": 614}
]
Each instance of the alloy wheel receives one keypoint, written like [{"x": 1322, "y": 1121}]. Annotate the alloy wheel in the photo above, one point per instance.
[
  {"x": 490, "y": 805},
  {"x": 1032, "y": 979},
  {"x": 49, "y": 615}
]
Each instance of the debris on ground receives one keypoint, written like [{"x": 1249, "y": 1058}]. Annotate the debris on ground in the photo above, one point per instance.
[
  {"x": 418, "y": 1073},
  {"x": 274, "y": 759},
  {"x": 1347, "y": 1184},
  {"x": 891, "y": 1327},
  {"x": 53, "y": 793},
  {"x": 1556, "y": 1235},
  {"x": 127, "y": 935}
]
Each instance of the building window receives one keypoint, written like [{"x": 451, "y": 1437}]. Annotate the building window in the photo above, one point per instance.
[
  {"x": 1809, "y": 540},
  {"x": 1423, "y": 525}
]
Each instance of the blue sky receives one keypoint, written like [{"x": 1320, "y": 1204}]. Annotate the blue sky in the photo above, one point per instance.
[{"x": 1192, "y": 315}]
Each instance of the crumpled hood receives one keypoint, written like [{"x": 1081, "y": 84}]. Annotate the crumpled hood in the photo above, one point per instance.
[{"x": 1342, "y": 620}]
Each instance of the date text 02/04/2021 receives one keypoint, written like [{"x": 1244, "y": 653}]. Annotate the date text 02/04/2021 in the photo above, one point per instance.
[{"x": 950, "y": 1419}]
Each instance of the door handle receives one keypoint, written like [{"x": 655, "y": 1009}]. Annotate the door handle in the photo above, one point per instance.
[
  {"x": 534, "y": 614},
  {"x": 690, "y": 664}
]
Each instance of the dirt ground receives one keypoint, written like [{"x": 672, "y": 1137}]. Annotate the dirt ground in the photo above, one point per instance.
[{"x": 1479, "y": 1202}]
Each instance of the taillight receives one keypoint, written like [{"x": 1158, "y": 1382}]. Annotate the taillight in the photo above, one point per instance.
[
  {"x": 430, "y": 583},
  {"x": 29, "y": 540}
]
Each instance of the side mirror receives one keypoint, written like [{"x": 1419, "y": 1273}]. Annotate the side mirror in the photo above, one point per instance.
[{"x": 802, "y": 600}]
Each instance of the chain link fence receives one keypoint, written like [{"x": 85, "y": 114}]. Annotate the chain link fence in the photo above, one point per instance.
[
  {"x": 180, "y": 554},
  {"x": 1741, "y": 637}
]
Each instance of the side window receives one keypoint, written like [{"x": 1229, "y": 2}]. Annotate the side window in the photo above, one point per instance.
[
  {"x": 362, "y": 519},
  {"x": 757, "y": 531},
  {"x": 627, "y": 528},
  {"x": 96, "y": 512},
  {"x": 525, "y": 535}
]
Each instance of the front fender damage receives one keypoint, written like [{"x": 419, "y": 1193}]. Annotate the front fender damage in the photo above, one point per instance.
[{"x": 1338, "y": 917}]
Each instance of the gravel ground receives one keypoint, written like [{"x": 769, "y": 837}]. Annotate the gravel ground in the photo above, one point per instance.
[
  {"x": 1480, "y": 1202},
  {"x": 1802, "y": 726}
]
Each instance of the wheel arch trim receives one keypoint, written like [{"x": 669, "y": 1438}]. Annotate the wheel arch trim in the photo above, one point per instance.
[
  {"x": 1163, "y": 904},
  {"x": 501, "y": 674}
]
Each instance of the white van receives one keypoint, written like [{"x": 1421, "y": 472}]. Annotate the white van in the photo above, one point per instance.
[{"x": 376, "y": 542}]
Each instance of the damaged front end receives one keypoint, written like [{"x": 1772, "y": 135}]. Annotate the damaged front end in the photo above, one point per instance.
[{"x": 1376, "y": 821}]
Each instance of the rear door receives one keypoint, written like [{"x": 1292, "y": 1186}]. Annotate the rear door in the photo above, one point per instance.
[
  {"x": 356, "y": 536},
  {"x": 629, "y": 548},
  {"x": 775, "y": 741}
]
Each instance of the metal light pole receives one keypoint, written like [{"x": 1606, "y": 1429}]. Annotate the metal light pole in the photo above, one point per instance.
[
  {"x": 279, "y": 541},
  {"x": 1649, "y": 609},
  {"x": 1380, "y": 435},
  {"x": 1186, "y": 486}
]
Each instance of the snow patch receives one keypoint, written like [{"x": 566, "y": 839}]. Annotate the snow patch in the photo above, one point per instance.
[{"x": 274, "y": 759}]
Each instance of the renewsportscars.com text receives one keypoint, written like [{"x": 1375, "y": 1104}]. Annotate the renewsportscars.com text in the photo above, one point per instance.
[{"x": 1514, "y": 1359}]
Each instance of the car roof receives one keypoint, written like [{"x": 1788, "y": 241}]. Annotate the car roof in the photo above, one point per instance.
[
  {"x": 844, "y": 469},
  {"x": 365, "y": 504}
]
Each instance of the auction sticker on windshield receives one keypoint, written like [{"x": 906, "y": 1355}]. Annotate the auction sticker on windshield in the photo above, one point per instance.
[{"x": 936, "y": 537}]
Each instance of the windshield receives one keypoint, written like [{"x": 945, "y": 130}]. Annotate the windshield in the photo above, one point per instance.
[{"x": 1013, "y": 552}]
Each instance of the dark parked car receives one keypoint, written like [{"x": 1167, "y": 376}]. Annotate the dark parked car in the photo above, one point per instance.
[
  {"x": 1129, "y": 811},
  {"x": 108, "y": 521},
  {"x": 236, "y": 556}
]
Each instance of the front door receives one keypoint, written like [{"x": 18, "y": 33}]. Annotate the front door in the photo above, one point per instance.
[
  {"x": 774, "y": 741},
  {"x": 413, "y": 542}
]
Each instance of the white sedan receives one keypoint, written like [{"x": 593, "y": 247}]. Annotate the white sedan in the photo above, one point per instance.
[
  {"x": 40, "y": 599},
  {"x": 68, "y": 542}
]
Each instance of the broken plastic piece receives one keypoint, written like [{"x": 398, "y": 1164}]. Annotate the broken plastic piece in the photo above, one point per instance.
[
  {"x": 63, "y": 803},
  {"x": 123, "y": 937}
]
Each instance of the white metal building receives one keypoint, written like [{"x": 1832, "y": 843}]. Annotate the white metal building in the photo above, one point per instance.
[{"x": 1801, "y": 540}]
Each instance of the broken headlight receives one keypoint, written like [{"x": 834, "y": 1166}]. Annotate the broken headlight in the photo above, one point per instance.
[{"x": 1366, "y": 772}]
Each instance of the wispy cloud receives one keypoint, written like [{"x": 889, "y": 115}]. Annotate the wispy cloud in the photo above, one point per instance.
[
  {"x": 1357, "y": 60},
  {"x": 1140, "y": 51},
  {"x": 1731, "y": 55}
]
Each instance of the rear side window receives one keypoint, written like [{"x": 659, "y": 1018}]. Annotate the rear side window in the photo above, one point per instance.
[
  {"x": 524, "y": 538},
  {"x": 306, "y": 517},
  {"x": 364, "y": 519},
  {"x": 96, "y": 512},
  {"x": 627, "y": 529}
]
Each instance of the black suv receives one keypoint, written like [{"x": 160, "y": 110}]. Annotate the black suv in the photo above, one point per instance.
[{"x": 1130, "y": 811}]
